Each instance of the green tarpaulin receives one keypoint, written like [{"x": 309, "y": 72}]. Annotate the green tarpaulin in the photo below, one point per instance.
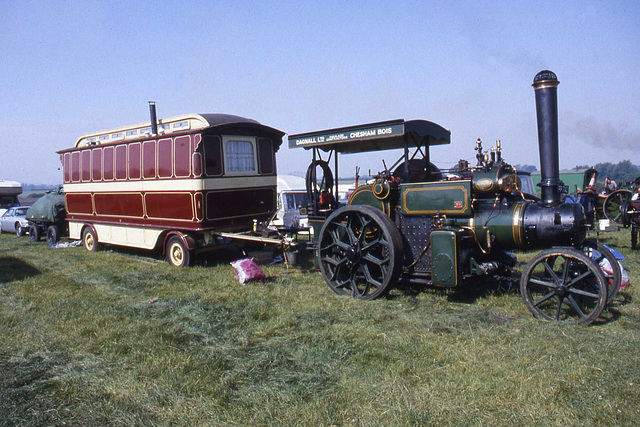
[{"x": 49, "y": 207}]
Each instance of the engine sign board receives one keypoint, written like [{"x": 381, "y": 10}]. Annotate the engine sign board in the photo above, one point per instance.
[
  {"x": 348, "y": 135},
  {"x": 374, "y": 136}
]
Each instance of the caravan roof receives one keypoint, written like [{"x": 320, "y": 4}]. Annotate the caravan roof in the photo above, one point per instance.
[{"x": 169, "y": 125}]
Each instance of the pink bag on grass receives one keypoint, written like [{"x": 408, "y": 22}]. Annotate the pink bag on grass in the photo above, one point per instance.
[{"x": 248, "y": 270}]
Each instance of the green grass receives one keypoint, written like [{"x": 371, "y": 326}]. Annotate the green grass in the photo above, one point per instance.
[{"x": 85, "y": 342}]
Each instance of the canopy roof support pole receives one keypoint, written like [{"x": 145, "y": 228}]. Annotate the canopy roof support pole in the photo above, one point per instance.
[
  {"x": 406, "y": 155},
  {"x": 335, "y": 194},
  {"x": 427, "y": 155},
  {"x": 313, "y": 182}
]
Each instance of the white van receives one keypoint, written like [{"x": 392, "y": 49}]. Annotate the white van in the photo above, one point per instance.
[{"x": 292, "y": 195}]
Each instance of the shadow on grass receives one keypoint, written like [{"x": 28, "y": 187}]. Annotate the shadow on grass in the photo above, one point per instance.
[
  {"x": 12, "y": 269},
  {"x": 464, "y": 294},
  {"x": 611, "y": 312},
  {"x": 34, "y": 391},
  {"x": 220, "y": 255}
]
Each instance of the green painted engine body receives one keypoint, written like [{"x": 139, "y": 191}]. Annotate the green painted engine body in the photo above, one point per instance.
[{"x": 466, "y": 230}]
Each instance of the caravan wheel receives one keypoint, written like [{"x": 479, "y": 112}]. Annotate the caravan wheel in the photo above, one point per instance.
[
  {"x": 90, "y": 240},
  {"x": 177, "y": 253}
]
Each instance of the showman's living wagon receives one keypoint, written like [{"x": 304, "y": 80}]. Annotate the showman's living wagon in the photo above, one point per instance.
[
  {"x": 182, "y": 184},
  {"x": 418, "y": 223}
]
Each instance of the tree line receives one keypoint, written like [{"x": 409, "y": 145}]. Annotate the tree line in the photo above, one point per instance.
[{"x": 621, "y": 172}]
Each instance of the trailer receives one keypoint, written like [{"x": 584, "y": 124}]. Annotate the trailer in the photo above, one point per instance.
[
  {"x": 183, "y": 184},
  {"x": 46, "y": 217}
]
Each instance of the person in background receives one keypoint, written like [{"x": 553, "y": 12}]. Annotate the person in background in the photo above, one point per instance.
[
  {"x": 635, "y": 230},
  {"x": 609, "y": 186}
]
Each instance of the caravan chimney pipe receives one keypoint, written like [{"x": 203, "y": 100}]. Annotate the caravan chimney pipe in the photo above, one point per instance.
[
  {"x": 154, "y": 118},
  {"x": 545, "y": 84}
]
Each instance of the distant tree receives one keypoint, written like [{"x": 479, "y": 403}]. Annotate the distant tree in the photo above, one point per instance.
[
  {"x": 620, "y": 172},
  {"x": 525, "y": 168},
  {"x": 33, "y": 187},
  {"x": 581, "y": 167}
]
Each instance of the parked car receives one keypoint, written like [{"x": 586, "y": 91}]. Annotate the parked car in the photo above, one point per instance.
[{"x": 14, "y": 221}]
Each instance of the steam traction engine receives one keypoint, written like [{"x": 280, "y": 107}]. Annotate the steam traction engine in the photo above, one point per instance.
[{"x": 416, "y": 223}]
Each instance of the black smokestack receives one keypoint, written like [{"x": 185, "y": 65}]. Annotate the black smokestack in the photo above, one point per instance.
[
  {"x": 154, "y": 118},
  {"x": 545, "y": 84}
]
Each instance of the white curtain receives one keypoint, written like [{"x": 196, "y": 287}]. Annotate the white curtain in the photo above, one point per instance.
[{"x": 239, "y": 156}]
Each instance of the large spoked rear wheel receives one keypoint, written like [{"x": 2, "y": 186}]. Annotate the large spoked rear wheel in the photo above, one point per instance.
[
  {"x": 564, "y": 285},
  {"x": 598, "y": 252},
  {"x": 613, "y": 203},
  {"x": 360, "y": 252}
]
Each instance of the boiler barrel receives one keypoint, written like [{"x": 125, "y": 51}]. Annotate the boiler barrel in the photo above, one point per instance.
[{"x": 527, "y": 225}]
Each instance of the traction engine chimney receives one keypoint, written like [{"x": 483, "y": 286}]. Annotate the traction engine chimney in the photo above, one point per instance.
[{"x": 545, "y": 84}]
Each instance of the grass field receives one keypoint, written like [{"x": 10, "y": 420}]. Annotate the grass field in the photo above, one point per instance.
[{"x": 120, "y": 338}]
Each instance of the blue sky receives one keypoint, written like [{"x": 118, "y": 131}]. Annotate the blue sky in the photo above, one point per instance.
[{"x": 74, "y": 67}]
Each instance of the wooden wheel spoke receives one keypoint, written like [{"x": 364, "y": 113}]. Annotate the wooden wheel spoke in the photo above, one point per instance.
[
  {"x": 576, "y": 307},
  {"x": 552, "y": 273},
  {"x": 565, "y": 270},
  {"x": 543, "y": 282},
  {"x": 559, "y": 308},
  {"x": 579, "y": 278},
  {"x": 583, "y": 293},
  {"x": 544, "y": 298}
]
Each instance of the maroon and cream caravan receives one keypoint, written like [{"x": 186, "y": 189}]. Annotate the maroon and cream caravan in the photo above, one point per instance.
[{"x": 179, "y": 184}]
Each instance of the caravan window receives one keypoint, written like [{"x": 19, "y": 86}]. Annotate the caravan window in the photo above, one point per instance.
[
  {"x": 239, "y": 156},
  {"x": 212, "y": 156},
  {"x": 266, "y": 156}
]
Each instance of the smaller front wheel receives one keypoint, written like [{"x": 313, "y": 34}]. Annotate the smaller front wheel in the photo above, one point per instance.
[
  {"x": 564, "y": 285},
  {"x": 20, "y": 231},
  {"x": 177, "y": 253},
  {"x": 612, "y": 206},
  {"x": 90, "y": 240}
]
